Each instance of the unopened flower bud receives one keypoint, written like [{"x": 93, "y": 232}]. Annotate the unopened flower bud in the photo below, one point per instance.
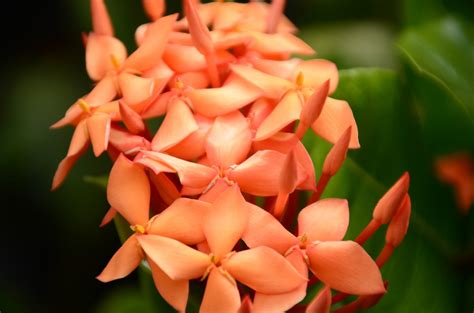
[
  {"x": 154, "y": 8},
  {"x": 391, "y": 200},
  {"x": 101, "y": 23},
  {"x": 338, "y": 153},
  {"x": 399, "y": 225}
]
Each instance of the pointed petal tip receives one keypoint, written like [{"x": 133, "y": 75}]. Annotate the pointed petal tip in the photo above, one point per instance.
[
  {"x": 338, "y": 153},
  {"x": 387, "y": 205}
]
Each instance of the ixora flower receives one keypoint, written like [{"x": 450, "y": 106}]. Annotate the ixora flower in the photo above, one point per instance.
[{"x": 233, "y": 104}]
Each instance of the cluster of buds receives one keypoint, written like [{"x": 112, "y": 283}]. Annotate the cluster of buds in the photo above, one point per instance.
[{"x": 233, "y": 106}]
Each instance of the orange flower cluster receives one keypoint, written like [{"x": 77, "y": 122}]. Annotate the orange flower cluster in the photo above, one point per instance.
[{"x": 234, "y": 108}]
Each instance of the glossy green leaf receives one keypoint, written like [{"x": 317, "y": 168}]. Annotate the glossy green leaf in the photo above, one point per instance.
[{"x": 439, "y": 58}]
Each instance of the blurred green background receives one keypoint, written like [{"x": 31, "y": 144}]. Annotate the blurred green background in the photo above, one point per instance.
[{"x": 407, "y": 70}]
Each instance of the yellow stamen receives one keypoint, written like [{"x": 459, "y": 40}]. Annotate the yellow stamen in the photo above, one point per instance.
[
  {"x": 300, "y": 79},
  {"x": 115, "y": 62},
  {"x": 138, "y": 229},
  {"x": 84, "y": 106},
  {"x": 179, "y": 83}
]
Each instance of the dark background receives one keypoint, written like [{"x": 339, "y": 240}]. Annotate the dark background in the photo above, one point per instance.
[{"x": 51, "y": 245}]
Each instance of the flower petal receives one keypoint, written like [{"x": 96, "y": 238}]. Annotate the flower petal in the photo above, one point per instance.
[
  {"x": 284, "y": 301},
  {"x": 325, "y": 220},
  {"x": 177, "y": 260},
  {"x": 175, "y": 292},
  {"x": 151, "y": 50},
  {"x": 235, "y": 94},
  {"x": 265, "y": 230},
  {"x": 181, "y": 221},
  {"x": 226, "y": 221},
  {"x": 272, "y": 86},
  {"x": 258, "y": 175},
  {"x": 264, "y": 270},
  {"x": 193, "y": 146},
  {"x": 321, "y": 303},
  {"x": 128, "y": 191},
  {"x": 316, "y": 72},
  {"x": 229, "y": 140},
  {"x": 178, "y": 124},
  {"x": 335, "y": 118},
  {"x": 345, "y": 266},
  {"x": 190, "y": 174},
  {"x": 221, "y": 295},
  {"x": 124, "y": 261},
  {"x": 101, "y": 23},
  {"x": 99, "y": 131},
  {"x": 135, "y": 89},
  {"x": 279, "y": 43},
  {"x": 100, "y": 51},
  {"x": 287, "y": 111},
  {"x": 282, "y": 69}
]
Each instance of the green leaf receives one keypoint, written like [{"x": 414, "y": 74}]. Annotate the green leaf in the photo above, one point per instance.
[
  {"x": 439, "y": 58},
  {"x": 421, "y": 273}
]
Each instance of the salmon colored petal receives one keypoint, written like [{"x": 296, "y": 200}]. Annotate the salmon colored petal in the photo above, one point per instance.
[
  {"x": 193, "y": 146},
  {"x": 228, "y": 15},
  {"x": 184, "y": 59},
  {"x": 281, "y": 142},
  {"x": 101, "y": 53},
  {"x": 124, "y": 261},
  {"x": 335, "y": 118},
  {"x": 215, "y": 191},
  {"x": 151, "y": 50},
  {"x": 226, "y": 221},
  {"x": 287, "y": 111},
  {"x": 195, "y": 80},
  {"x": 279, "y": 43},
  {"x": 99, "y": 130},
  {"x": 135, "y": 89},
  {"x": 175, "y": 292},
  {"x": 78, "y": 146},
  {"x": 263, "y": 229},
  {"x": 345, "y": 266},
  {"x": 198, "y": 29},
  {"x": 316, "y": 72},
  {"x": 131, "y": 119},
  {"x": 109, "y": 216},
  {"x": 221, "y": 294},
  {"x": 105, "y": 91},
  {"x": 325, "y": 220},
  {"x": 154, "y": 8},
  {"x": 229, "y": 140},
  {"x": 72, "y": 117},
  {"x": 101, "y": 23},
  {"x": 263, "y": 270},
  {"x": 178, "y": 124},
  {"x": 165, "y": 187},
  {"x": 305, "y": 161},
  {"x": 63, "y": 169},
  {"x": 285, "y": 301},
  {"x": 282, "y": 69},
  {"x": 259, "y": 111},
  {"x": 321, "y": 303},
  {"x": 182, "y": 221},
  {"x": 190, "y": 174},
  {"x": 258, "y": 175},
  {"x": 159, "y": 106},
  {"x": 235, "y": 94},
  {"x": 177, "y": 260},
  {"x": 272, "y": 86},
  {"x": 127, "y": 143},
  {"x": 128, "y": 191}
]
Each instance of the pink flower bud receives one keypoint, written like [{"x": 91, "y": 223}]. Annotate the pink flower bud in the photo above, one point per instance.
[
  {"x": 399, "y": 225},
  {"x": 338, "y": 153},
  {"x": 391, "y": 201}
]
